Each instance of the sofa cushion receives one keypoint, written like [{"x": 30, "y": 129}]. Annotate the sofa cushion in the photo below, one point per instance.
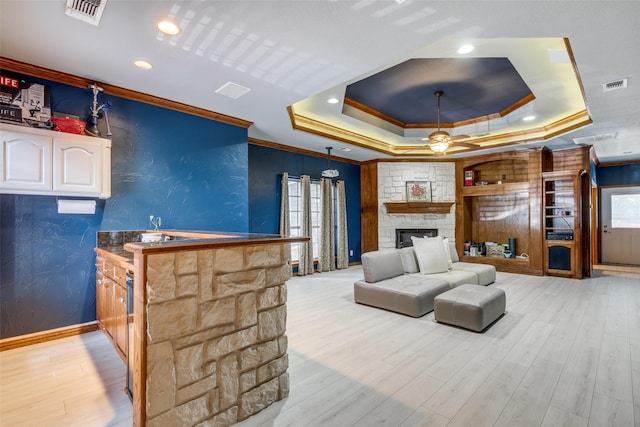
[
  {"x": 453, "y": 252},
  {"x": 447, "y": 251},
  {"x": 486, "y": 273},
  {"x": 430, "y": 254},
  {"x": 454, "y": 277},
  {"x": 409, "y": 260},
  {"x": 410, "y": 295},
  {"x": 381, "y": 265}
]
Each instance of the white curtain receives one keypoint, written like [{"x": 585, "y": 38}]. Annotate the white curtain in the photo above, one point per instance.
[
  {"x": 285, "y": 225},
  {"x": 343, "y": 241},
  {"x": 326, "y": 258},
  {"x": 305, "y": 264}
]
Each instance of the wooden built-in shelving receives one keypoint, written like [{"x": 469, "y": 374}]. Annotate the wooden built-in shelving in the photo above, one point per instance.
[
  {"x": 509, "y": 265},
  {"x": 493, "y": 189},
  {"x": 561, "y": 222},
  {"x": 507, "y": 206}
]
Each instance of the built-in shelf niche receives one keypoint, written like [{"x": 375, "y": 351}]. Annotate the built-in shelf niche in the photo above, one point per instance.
[{"x": 506, "y": 205}]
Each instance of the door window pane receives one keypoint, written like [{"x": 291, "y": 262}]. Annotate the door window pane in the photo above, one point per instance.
[{"x": 625, "y": 210}]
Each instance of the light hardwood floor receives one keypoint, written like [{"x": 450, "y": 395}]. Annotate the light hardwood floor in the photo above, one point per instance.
[{"x": 567, "y": 352}]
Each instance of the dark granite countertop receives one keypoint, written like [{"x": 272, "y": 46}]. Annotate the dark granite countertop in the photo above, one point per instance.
[
  {"x": 120, "y": 246},
  {"x": 189, "y": 240}
]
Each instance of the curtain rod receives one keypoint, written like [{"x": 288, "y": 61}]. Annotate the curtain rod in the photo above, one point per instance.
[{"x": 312, "y": 179}]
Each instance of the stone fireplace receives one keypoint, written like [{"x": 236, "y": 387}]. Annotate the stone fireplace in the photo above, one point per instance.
[{"x": 392, "y": 187}]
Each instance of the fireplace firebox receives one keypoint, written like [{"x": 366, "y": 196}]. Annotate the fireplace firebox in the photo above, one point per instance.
[{"x": 403, "y": 235}]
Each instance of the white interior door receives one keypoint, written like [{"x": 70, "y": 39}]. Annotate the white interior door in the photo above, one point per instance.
[{"x": 620, "y": 232}]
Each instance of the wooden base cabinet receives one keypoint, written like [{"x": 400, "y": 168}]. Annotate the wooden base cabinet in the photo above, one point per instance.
[
  {"x": 111, "y": 303},
  {"x": 560, "y": 259},
  {"x": 120, "y": 319}
]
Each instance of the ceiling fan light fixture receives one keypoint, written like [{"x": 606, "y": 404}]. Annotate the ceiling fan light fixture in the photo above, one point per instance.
[
  {"x": 439, "y": 147},
  {"x": 439, "y": 137}
]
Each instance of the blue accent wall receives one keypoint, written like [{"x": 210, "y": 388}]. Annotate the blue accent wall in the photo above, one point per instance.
[
  {"x": 191, "y": 171},
  {"x": 618, "y": 175},
  {"x": 266, "y": 166},
  {"x": 195, "y": 173}
]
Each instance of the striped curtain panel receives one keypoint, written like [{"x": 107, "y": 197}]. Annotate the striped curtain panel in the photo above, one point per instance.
[
  {"x": 326, "y": 258},
  {"x": 343, "y": 241},
  {"x": 285, "y": 225},
  {"x": 305, "y": 264}
]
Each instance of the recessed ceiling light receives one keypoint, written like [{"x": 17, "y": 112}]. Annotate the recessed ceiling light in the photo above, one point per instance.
[
  {"x": 528, "y": 118},
  {"x": 464, "y": 49},
  {"x": 143, "y": 65},
  {"x": 333, "y": 100},
  {"x": 170, "y": 28}
]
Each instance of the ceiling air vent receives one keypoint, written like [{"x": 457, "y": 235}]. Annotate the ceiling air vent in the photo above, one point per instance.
[
  {"x": 86, "y": 10},
  {"x": 616, "y": 84},
  {"x": 595, "y": 138},
  {"x": 232, "y": 90}
]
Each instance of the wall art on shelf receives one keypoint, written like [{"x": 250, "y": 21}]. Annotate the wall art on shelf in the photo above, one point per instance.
[
  {"x": 24, "y": 102},
  {"x": 496, "y": 250},
  {"x": 418, "y": 191}
]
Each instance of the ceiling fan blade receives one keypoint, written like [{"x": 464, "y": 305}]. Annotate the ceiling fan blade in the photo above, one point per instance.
[
  {"x": 464, "y": 144},
  {"x": 416, "y": 148}
]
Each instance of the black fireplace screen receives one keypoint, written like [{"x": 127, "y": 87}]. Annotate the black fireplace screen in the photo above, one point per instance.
[{"x": 403, "y": 235}]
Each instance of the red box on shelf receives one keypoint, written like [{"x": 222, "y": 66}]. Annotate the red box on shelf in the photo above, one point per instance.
[
  {"x": 65, "y": 124},
  {"x": 469, "y": 178}
]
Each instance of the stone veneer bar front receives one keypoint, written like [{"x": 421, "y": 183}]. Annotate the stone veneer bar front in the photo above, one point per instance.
[{"x": 209, "y": 328}]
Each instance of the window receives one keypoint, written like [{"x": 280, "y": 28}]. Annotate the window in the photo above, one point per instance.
[
  {"x": 625, "y": 210},
  {"x": 295, "y": 215}
]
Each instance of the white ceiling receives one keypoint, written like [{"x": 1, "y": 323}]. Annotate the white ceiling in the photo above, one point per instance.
[{"x": 288, "y": 51}]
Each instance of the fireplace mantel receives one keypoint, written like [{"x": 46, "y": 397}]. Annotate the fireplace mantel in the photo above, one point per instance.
[{"x": 418, "y": 207}]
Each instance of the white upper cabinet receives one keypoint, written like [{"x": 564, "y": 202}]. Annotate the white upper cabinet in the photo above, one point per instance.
[
  {"x": 77, "y": 166},
  {"x": 25, "y": 160},
  {"x": 39, "y": 161}
]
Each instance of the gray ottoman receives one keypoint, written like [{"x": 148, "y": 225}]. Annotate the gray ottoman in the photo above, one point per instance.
[{"x": 470, "y": 306}]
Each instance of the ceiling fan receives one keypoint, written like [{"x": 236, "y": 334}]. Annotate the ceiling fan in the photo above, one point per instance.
[{"x": 440, "y": 141}]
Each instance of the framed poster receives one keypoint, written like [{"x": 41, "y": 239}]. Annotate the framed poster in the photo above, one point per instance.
[
  {"x": 23, "y": 102},
  {"x": 418, "y": 191}
]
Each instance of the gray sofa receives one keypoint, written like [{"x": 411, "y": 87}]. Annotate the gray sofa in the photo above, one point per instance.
[{"x": 392, "y": 281}]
